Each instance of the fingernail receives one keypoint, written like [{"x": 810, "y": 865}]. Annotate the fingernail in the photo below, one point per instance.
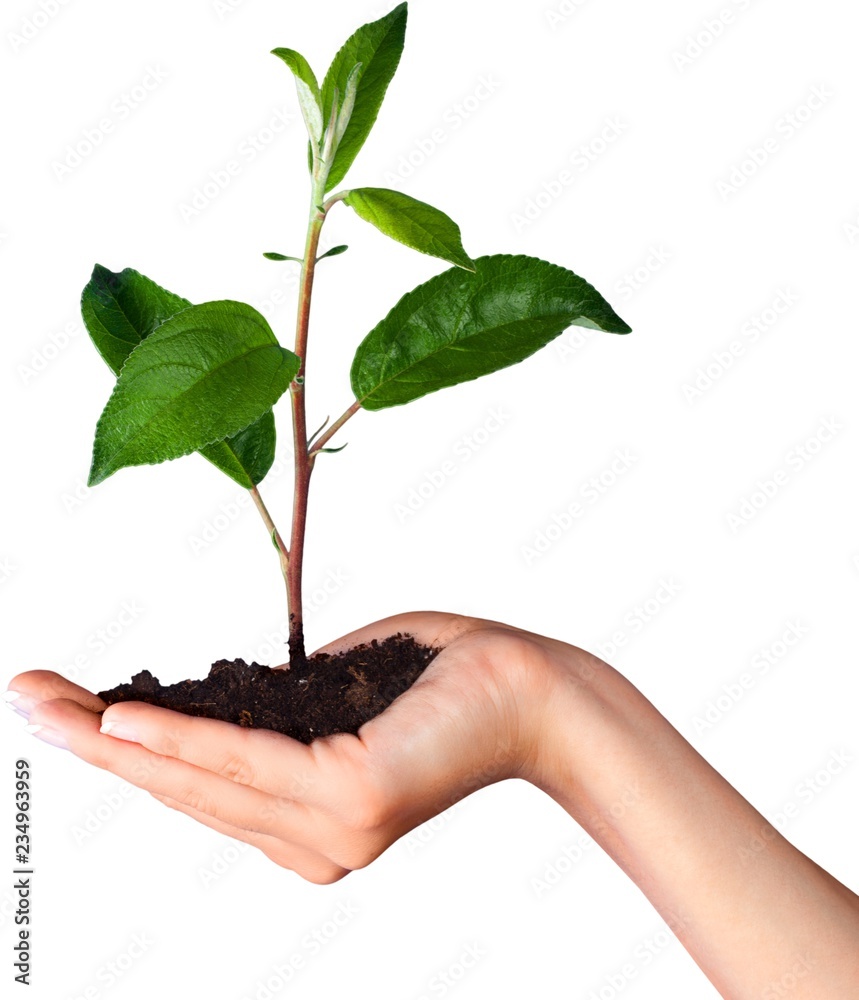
[
  {"x": 120, "y": 731},
  {"x": 21, "y": 703},
  {"x": 47, "y": 734}
]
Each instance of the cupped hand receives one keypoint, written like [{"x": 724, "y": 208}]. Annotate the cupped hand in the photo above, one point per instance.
[{"x": 472, "y": 718}]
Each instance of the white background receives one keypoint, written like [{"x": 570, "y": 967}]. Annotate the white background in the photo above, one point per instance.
[{"x": 516, "y": 93}]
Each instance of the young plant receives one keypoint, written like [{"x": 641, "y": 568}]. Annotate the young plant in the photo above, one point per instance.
[{"x": 206, "y": 377}]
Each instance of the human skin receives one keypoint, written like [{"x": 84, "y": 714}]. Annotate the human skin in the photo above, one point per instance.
[{"x": 496, "y": 703}]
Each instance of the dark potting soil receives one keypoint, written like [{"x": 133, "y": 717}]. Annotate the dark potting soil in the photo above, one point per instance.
[{"x": 329, "y": 693}]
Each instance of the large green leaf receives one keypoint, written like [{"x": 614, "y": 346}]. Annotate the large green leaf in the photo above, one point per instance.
[
  {"x": 206, "y": 374},
  {"x": 411, "y": 222},
  {"x": 377, "y": 47},
  {"x": 120, "y": 309},
  {"x": 309, "y": 97},
  {"x": 459, "y": 326}
]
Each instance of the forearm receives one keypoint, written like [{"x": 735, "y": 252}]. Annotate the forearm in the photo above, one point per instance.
[{"x": 748, "y": 906}]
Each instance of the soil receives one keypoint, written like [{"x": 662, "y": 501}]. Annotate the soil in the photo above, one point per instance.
[{"x": 330, "y": 693}]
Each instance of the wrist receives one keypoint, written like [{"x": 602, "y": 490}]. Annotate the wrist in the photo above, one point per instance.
[
  {"x": 601, "y": 744},
  {"x": 573, "y": 699},
  {"x": 557, "y": 694}
]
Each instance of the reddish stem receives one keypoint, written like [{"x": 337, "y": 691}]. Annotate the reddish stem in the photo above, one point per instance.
[
  {"x": 320, "y": 442},
  {"x": 303, "y": 464}
]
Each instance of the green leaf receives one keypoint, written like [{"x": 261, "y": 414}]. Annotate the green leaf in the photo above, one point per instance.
[
  {"x": 207, "y": 373},
  {"x": 411, "y": 222},
  {"x": 377, "y": 47},
  {"x": 246, "y": 457},
  {"x": 271, "y": 255},
  {"x": 333, "y": 252},
  {"x": 459, "y": 326},
  {"x": 309, "y": 96},
  {"x": 121, "y": 309}
]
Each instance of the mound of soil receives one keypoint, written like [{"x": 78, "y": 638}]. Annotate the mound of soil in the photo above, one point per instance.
[{"x": 330, "y": 693}]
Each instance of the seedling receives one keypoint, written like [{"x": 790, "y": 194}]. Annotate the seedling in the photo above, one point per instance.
[{"x": 206, "y": 377}]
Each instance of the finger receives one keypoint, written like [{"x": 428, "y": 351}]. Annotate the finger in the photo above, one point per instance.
[
  {"x": 307, "y": 863},
  {"x": 35, "y": 686},
  {"x": 239, "y": 805},
  {"x": 269, "y": 761},
  {"x": 318, "y": 796}
]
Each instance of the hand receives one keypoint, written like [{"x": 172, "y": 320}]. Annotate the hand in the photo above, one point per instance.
[
  {"x": 322, "y": 810},
  {"x": 497, "y": 702}
]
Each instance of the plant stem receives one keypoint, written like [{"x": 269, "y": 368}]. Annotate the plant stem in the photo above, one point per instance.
[
  {"x": 303, "y": 465},
  {"x": 274, "y": 534},
  {"x": 339, "y": 196},
  {"x": 320, "y": 443}
]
